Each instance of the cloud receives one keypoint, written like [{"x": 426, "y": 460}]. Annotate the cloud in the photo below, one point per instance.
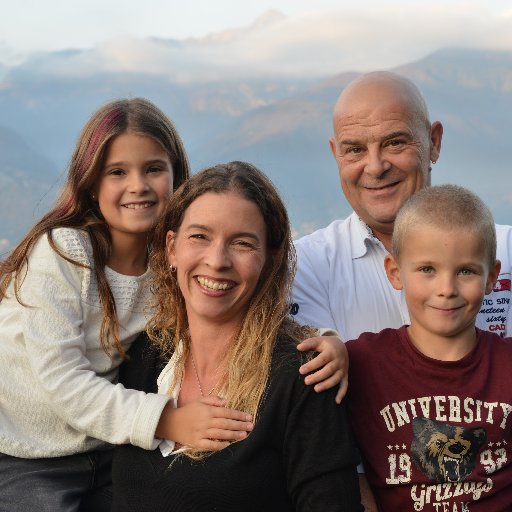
[
  {"x": 8, "y": 56},
  {"x": 316, "y": 43}
]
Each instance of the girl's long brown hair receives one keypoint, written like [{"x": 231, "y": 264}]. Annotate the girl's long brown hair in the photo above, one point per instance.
[{"x": 75, "y": 207}]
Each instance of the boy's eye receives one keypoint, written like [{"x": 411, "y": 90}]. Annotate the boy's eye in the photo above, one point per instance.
[
  {"x": 466, "y": 271},
  {"x": 427, "y": 269}
]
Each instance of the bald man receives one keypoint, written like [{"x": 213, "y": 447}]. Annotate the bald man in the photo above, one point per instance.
[{"x": 385, "y": 146}]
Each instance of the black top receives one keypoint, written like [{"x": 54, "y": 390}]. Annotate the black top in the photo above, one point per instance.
[{"x": 300, "y": 455}]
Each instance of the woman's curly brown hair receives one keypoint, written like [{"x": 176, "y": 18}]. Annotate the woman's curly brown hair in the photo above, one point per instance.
[{"x": 248, "y": 358}]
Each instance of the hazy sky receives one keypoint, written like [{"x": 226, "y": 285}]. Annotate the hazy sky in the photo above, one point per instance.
[{"x": 28, "y": 26}]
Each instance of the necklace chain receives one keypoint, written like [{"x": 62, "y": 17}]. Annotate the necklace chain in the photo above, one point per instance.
[{"x": 197, "y": 377}]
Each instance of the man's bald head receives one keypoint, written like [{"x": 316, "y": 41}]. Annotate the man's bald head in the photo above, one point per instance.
[
  {"x": 384, "y": 145},
  {"x": 379, "y": 84}
]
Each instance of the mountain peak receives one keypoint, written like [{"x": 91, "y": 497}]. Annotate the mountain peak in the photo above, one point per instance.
[
  {"x": 262, "y": 22},
  {"x": 268, "y": 18}
]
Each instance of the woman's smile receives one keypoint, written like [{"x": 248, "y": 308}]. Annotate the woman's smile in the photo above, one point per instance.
[
  {"x": 214, "y": 284},
  {"x": 219, "y": 256}
]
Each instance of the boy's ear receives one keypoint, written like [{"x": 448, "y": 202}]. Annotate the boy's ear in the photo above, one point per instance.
[
  {"x": 393, "y": 272},
  {"x": 169, "y": 246},
  {"x": 492, "y": 277}
]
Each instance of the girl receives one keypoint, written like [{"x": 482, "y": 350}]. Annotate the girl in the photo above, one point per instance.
[{"x": 73, "y": 295}]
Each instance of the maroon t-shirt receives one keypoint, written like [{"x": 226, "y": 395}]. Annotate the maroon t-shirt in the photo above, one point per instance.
[{"x": 434, "y": 435}]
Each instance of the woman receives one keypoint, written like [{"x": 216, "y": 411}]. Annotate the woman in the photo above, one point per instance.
[{"x": 223, "y": 266}]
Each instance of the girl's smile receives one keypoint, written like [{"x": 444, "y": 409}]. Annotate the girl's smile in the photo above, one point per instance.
[{"x": 134, "y": 186}]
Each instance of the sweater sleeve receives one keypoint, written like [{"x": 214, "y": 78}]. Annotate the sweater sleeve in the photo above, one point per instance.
[
  {"x": 319, "y": 453},
  {"x": 54, "y": 340}
]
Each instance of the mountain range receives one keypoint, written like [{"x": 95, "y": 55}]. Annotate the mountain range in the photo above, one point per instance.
[{"x": 282, "y": 124}]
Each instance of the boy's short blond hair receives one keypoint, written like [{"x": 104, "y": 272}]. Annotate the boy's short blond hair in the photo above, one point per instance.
[{"x": 449, "y": 207}]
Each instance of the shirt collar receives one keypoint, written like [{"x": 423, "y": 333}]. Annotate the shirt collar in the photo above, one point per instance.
[{"x": 362, "y": 237}]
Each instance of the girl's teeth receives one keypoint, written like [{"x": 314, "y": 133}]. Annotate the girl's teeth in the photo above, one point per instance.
[
  {"x": 138, "y": 206},
  {"x": 213, "y": 285}
]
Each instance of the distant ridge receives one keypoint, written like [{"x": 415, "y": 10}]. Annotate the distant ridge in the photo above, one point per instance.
[{"x": 282, "y": 125}]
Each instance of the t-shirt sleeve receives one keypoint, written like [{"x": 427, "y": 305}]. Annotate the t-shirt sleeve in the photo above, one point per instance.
[
  {"x": 360, "y": 357},
  {"x": 319, "y": 453},
  {"x": 311, "y": 287},
  {"x": 53, "y": 327}
]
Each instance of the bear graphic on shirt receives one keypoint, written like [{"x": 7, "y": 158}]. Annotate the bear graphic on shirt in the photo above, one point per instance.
[{"x": 444, "y": 452}]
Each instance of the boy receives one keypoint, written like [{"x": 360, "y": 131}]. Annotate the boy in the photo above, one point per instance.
[{"x": 430, "y": 402}]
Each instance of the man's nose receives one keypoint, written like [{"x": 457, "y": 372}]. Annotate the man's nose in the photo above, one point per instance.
[{"x": 376, "y": 163}]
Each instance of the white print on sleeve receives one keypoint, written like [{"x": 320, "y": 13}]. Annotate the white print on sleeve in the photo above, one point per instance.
[{"x": 494, "y": 314}]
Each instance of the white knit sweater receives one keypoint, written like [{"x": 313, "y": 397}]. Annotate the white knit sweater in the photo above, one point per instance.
[{"x": 57, "y": 391}]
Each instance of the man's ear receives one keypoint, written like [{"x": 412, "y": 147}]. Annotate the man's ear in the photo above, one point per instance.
[
  {"x": 492, "y": 277},
  {"x": 393, "y": 272},
  {"x": 436, "y": 136},
  {"x": 332, "y": 144},
  {"x": 169, "y": 246}
]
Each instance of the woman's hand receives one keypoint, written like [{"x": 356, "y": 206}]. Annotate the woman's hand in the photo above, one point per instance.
[
  {"x": 205, "y": 424},
  {"x": 330, "y": 366}
]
